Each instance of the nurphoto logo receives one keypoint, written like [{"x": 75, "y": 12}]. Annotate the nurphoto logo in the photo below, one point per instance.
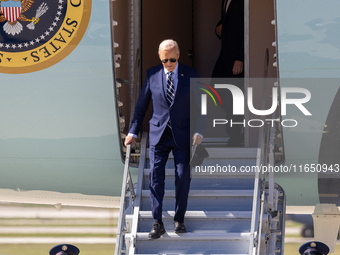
[{"x": 239, "y": 103}]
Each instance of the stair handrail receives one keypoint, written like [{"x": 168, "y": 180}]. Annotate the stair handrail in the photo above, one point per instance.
[
  {"x": 130, "y": 249},
  {"x": 127, "y": 191},
  {"x": 257, "y": 210},
  {"x": 267, "y": 158},
  {"x": 271, "y": 162}
]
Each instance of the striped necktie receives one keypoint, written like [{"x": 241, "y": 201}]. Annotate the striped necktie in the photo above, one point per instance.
[{"x": 170, "y": 88}]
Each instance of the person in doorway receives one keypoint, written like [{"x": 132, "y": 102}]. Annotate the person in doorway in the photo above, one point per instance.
[
  {"x": 230, "y": 62},
  {"x": 168, "y": 84}
]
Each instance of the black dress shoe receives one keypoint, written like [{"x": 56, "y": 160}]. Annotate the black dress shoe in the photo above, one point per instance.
[
  {"x": 180, "y": 228},
  {"x": 156, "y": 231}
]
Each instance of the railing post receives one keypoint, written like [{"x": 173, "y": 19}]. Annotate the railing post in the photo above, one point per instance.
[
  {"x": 271, "y": 163},
  {"x": 122, "y": 202}
]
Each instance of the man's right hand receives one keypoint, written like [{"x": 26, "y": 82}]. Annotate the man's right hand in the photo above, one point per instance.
[
  {"x": 238, "y": 67},
  {"x": 219, "y": 30},
  {"x": 129, "y": 140}
]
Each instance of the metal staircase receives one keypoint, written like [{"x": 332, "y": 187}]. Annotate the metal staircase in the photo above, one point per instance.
[{"x": 227, "y": 211}]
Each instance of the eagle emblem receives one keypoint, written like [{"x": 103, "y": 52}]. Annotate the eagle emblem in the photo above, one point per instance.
[
  {"x": 12, "y": 11},
  {"x": 32, "y": 44}
]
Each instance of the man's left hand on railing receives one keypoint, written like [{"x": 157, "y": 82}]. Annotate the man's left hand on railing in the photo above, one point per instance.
[
  {"x": 197, "y": 139},
  {"x": 130, "y": 140}
]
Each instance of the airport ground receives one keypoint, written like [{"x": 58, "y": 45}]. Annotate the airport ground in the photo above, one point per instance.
[{"x": 33, "y": 230}]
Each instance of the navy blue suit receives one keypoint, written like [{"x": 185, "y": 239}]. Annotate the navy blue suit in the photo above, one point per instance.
[{"x": 162, "y": 139}]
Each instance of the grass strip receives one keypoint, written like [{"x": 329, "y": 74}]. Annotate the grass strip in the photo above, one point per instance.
[
  {"x": 43, "y": 249},
  {"x": 13, "y": 235}
]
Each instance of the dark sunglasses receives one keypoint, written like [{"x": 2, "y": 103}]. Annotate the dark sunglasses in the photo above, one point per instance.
[{"x": 172, "y": 60}]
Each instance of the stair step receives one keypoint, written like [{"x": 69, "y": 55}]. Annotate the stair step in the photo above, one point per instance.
[
  {"x": 222, "y": 203},
  {"x": 215, "y": 140},
  {"x": 172, "y": 236},
  {"x": 206, "y": 226},
  {"x": 223, "y": 153},
  {"x": 200, "y": 221},
  {"x": 189, "y": 254},
  {"x": 193, "y": 243},
  {"x": 232, "y": 158},
  {"x": 206, "y": 173},
  {"x": 209, "y": 183},
  {"x": 201, "y": 214},
  {"x": 206, "y": 193},
  {"x": 206, "y": 181},
  {"x": 233, "y": 164}
]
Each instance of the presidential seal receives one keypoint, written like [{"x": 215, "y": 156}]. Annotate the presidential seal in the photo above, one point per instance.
[{"x": 36, "y": 34}]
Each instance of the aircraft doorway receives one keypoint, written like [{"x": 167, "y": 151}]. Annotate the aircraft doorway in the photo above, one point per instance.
[
  {"x": 144, "y": 24},
  {"x": 192, "y": 24}
]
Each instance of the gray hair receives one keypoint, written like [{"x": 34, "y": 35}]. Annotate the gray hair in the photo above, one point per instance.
[{"x": 168, "y": 45}]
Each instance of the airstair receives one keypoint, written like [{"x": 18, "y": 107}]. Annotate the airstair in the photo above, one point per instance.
[{"x": 235, "y": 211}]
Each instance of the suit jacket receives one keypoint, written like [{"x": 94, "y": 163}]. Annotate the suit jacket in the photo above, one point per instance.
[
  {"x": 232, "y": 37},
  {"x": 178, "y": 112}
]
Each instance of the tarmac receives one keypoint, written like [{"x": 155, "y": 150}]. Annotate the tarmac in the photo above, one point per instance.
[
  {"x": 49, "y": 213},
  {"x": 52, "y": 212},
  {"x": 86, "y": 240}
]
